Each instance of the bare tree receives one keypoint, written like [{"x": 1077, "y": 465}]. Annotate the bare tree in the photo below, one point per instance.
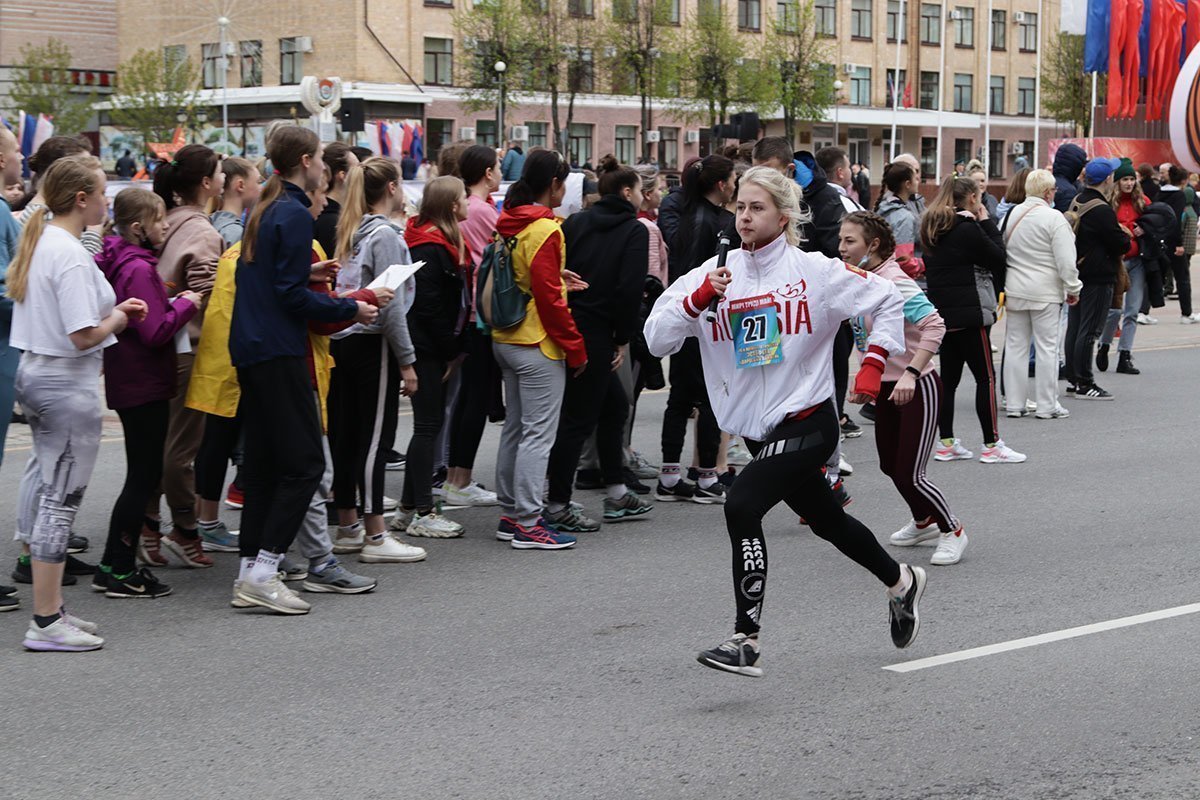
[{"x": 797, "y": 65}]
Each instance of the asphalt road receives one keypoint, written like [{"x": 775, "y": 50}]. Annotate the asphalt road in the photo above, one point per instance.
[{"x": 487, "y": 672}]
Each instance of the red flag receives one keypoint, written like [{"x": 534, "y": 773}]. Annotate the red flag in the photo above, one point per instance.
[
  {"x": 1123, "y": 57},
  {"x": 908, "y": 103},
  {"x": 1193, "y": 25},
  {"x": 1166, "y": 39}
]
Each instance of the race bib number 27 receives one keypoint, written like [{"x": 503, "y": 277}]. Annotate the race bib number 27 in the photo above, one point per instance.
[{"x": 756, "y": 334}]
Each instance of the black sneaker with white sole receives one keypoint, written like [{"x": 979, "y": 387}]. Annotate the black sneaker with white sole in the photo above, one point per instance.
[
  {"x": 713, "y": 495},
  {"x": 1092, "y": 392},
  {"x": 681, "y": 491},
  {"x": 136, "y": 584},
  {"x": 739, "y": 655},
  {"x": 903, "y": 612},
  {"x": 850, "y": 429}
]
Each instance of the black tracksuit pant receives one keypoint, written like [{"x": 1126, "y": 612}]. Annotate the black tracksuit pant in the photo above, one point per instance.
[
  {"x": 145, "y": 428},
  {"x": 1085, "y": 323}
]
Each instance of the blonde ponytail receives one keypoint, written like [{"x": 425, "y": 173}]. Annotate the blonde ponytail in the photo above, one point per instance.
[
  {"x": 354, "y": 208},
  {"x": 18, "y": 271}
]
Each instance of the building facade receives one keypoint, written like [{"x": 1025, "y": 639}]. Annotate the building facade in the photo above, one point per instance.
[{"x": 966, "y": 70}]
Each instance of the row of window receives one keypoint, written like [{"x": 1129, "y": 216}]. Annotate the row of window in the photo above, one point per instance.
[
  {"x": 999, "y": 152},
  {"x": 961, "y": 20},
  {"x": 929, "y": 94},
  {"x": 250, "y": 62}
]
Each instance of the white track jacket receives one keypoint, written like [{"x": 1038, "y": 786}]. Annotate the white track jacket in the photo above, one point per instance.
[{"x": 812, "y": 294}]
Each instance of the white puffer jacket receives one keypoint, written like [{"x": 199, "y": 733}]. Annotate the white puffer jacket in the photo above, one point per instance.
[{"x": 1040, "y": 248}]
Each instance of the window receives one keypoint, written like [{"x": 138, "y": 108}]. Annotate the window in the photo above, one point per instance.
[
  {"x": 673, "y": 13},
  {"x": 439, "y": 61},
  {"x": 858, "y": 145},
  {"x": 899, "y": 88},
  {"x": 996, "y": 95},
  {"x": 581, "y": 71},
  {"x": 538, "y": 133},
  {"x": 579, "y": 143},
  {"x": 931, "y": 23},
  {"x": 964, "y": 27},
  {"x": 626, "y": 144},
  {"x": 440, "y": 3},
  {"x": 668, "y": 148},
  {"x": 822, "y": 137},
  {"x": 929, "y": 155},
  {"x": 824, "y": 17},
  {"x": 930, "y": 95},
  {"x": 251, "y": 58},
  {"x": 860, "y": 19},
  {"x": 438, "y": 133},
  {"x": 174, "y": 55},
  {"x": 580, "y": 8},
  {"x": 211, "y": 62},
  {"x": 709, "y": 8},
  {"x": 1027, "y": 32},
  {"x": 749, "y": 15},
  {"x": 485, "y": 132},
  {"x": 964, "y": 150},
  {"x": 860, "y": 86},
  {"x": 1026, "y": 96},
  {"x": 1027, "y": 150},
  {"x": 894, "y": 18},
  {"x": 787, "y": 17},
  {"x": 996, "y": 158},
  {"x": 999, "y": 30},
  {"x": 963, "y": 92},
  {"x": 291, "y": 62},
  {"x": 623, "y": 10}
]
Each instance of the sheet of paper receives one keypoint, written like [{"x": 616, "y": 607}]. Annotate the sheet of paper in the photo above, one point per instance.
[
  {"x": 183, "y": 342},
  {"x": 394, "y": 276}
]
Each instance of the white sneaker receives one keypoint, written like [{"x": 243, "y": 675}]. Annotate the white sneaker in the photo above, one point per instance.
[
  {"x": 1058, "y": 413},
  {"x": 738, "y": 455},
  {"x": 950, "y": 548},
  {"x": 1000, "y": 453},
  {"x": 390, "y": 504},
  {"x": 403, "y": 520},
  {"x": 60, "y": 636},
  {"x": 470, "y": 495},
  {"x": 844, "y": 468},
  {"x": 349, "y": 539},
  {"x": 434, "y": 526},
  {"x": 915, "y": 533},
  {"x": 952, "y": 452},
  {"x": 1030, "y": 406},
  {"x": 1146, "y": 319},
  {"x": 1188, "y": 320},
  {"x": 390, "y": 550},
  {"x": 273, "y": 595},
  {"x": 237, "y": 602},
  {"x": 82, "y": 624}
]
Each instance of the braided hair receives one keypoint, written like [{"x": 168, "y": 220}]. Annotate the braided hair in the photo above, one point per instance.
[{"x": 874, "y": 227}]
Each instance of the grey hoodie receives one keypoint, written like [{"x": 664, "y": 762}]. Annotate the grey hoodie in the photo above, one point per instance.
[
  {"x": 380, "y": 251},
  {"x": 900, "y": 216},
  {"x": 229, "y": 225}
]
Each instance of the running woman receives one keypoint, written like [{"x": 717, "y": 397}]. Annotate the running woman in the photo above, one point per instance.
[
  {"x": 768, "y": 368},
  {"x": 910, "y": 395}
]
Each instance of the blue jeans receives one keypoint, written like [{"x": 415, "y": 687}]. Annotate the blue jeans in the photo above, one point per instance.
[
  {"x": 1127, "y": 314},
  {"x": 9, "y": 359}
]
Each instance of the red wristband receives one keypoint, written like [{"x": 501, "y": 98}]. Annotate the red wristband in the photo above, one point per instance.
[{"x": 699, "y": 299}]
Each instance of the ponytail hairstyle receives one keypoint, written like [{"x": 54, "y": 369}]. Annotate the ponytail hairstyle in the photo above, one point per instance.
[
  {"x": 135, "y": 205},
  {"x": 706, "y": 174},
  {"x": 52, "y": 150},
  {"x": 178, "y": 181},
  {"x": 438, "y": 206},
  {"x": 61, "y": 185},
  {"x": 939, "y": 215},
  {"x": 876, "y": 227},
  {"x": 285, "y": 149},
  {"x": 649, "y": 175},
  {"x": 783, "y": 192},
  {"x": 894, "y": 177},
  {"x": 542, "y": 168},
  {"x": 237, "y": 167},
  {"x": 337, "y": 158},
  {"x": 473, "y": 164},
  {"x": 366, "y": 185},
  {"x": 613, "y": 176},
  {"x": 448, "y": 156}
]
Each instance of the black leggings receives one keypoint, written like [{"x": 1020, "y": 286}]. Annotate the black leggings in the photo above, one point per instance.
[
  {"x": 593, "y": 402},
  {"x": 145, "y": 439},
  {"x": 429, "y": 412},
  {"x": 480, "y": 374},
  {"x": 787, "y": 466},
  {"x": 969, "y": 346},
  {"x": 688, "y": 392},
  {"x": 843, "y": 347},
  {"x": 221, "y": 436},
  {"x": 364, "y": 404}
]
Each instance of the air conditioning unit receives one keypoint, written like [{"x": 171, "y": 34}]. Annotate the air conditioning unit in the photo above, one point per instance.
[
  {"x": 849, "y": 68},
  {"x": 955, "y": 15},
  {"x": 466, "y": 133},
  {"x": 230, "y": 49},
  {"x": 653, "y": 136},
  {"x": 610, "y": 52},
  {"x": 304, "y": 44},
  {"x": 1018, "y": 17},
  {"x": 1017, "y": 148},
  {"x": 691, "y": 137},
  {"x": 520, "y": 133}
]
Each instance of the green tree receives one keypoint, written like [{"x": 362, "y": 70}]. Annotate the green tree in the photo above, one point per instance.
[
  {"x": 491, "y": 31},
  {"x": 562, "y": 60},
  {"x": 638, "y": 48},
  {"x": 797, "y": 65},
  {"x": 41, "y": 84},
  {"x": 717, "y": 71},
  {"x": 1066, "y": 88},
  {"x": 151, "y": 90}
]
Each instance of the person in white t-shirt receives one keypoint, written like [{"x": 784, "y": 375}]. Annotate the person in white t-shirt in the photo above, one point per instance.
[{"x": 64, "y": 315}]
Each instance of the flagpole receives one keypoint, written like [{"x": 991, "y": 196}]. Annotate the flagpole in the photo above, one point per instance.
[
  {"x": 1037, "y": 89},
  {"x": 1092, "y": 115},
  {"x": 896, "y": 77},
  {"x": 987, "y": 108},
  {"x": 941, "y": 100}
]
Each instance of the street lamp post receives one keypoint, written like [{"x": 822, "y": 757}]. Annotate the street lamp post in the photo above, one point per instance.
[
  {"x": 201, "y": 121},
  {"x": 181, "y": 117},
  {"x": 837, "y": 105},
  {"x": 500, "y": 68}
]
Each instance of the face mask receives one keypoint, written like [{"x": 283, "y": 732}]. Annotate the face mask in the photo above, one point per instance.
[{"x": 862, "y": 262}]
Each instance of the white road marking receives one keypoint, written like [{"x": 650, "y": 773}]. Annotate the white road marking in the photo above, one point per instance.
[{"x": 1043, "y": 638}]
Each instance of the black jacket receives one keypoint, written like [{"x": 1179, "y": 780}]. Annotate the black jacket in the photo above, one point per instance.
[
  {"x": 1178, "y": 202},
  {"x": 1150, "y": 189},
  {"x": 610, "y": 249},
  {"x": 957, "y": 268},
  {"x": 1100, "y": 243},
  {"x": 668, "y": 214},
  {"x": 325, "y": 228},
  {"x": 695, "y": 240},
  {"x": 1069, "y": 161},
  {"x": 824, "y": 202},
  {"x": 437, "y": 303}
]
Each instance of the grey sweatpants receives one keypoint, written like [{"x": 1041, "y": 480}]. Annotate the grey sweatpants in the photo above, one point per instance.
[
  {"x": 312, "y": 540},
  {"x": 61, "y": 400},
  {"x": 533, "y": 395}
]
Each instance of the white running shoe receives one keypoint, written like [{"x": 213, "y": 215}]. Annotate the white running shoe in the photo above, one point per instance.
[
  {"x": 952, "y": 452},
  {"x": 844, "y": 468},
  {"x": 390, "y": 550},
  {"x": 60, "y": 636},
  {"x": 390, "y": 503},
  {"x": 915, "y": 532},
  {"x": 1058, "y": 413},
  {"x": 402, "y": 520},
  {"x": 349, "y": 539},
  {"x": 470, "y": 495},
  {"x": 950, "y": 548},
  {"x": 1146, "y": 319},
  {"x": 273, "y": 595},
  {"x": 1188, "y": 320},
  {"x": 738, "y": 455},
  {"x": 82, "y": 624},
  {"x": 434, "y": 526},
  {"x": 1000, "y": 453}
]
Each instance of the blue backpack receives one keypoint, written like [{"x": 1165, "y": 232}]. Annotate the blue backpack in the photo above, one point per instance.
[{"x": 499, "y": 302}]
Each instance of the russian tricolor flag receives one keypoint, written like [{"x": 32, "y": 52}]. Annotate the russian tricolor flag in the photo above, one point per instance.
[{"x": 32, "y": 132}]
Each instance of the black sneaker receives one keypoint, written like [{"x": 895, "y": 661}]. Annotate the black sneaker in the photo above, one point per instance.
[
  {"x": 1092, "y": 392},
  {"x": 77, "y": 567},
  {"x": 395, "y": 461},
  {"x": 868, "y": 413},
  {"x": 841, "y": 493},
  {"x": 439, "y": 477},
  {"x": 903, "y": 612},
  {"x": 850, "y": 429},
  {"x": 727, "y": 480},
  {"x": 77, "y": 544},
  {"x": 136, "y": 584},
  {"x": 680, "y": 491},
  {"x": 1071, "y": 388},
  {"x": 24, "y": 573},
  {"x": 9, "y": 604},
  {"x": 739, "y": 655},
  {"x": 713, "y": 495},
  {"x": 588, "y": 480},
  {"x": 633, "y": 483},
  {"x": 100, "y": 578},
  {"x": 1102, "y": 358},
  {"x": 7, "y": 591}
]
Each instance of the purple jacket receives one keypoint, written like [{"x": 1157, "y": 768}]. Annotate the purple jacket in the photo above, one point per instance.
[{"x": 140, "y": 367}]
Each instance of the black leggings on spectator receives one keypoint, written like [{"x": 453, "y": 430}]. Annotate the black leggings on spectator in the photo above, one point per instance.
[
  {"x": 969, "y": 347},
  {"x": 843, "y": 346},
  {"x": 688, "y": 392},
  {"x": 364, "y": 403},
  {"x": 145, "y": 428},
  {"x": 217, "y": 448},
  {"x": 479, "y": 374},
  {"x": 429, "y": 412}
]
